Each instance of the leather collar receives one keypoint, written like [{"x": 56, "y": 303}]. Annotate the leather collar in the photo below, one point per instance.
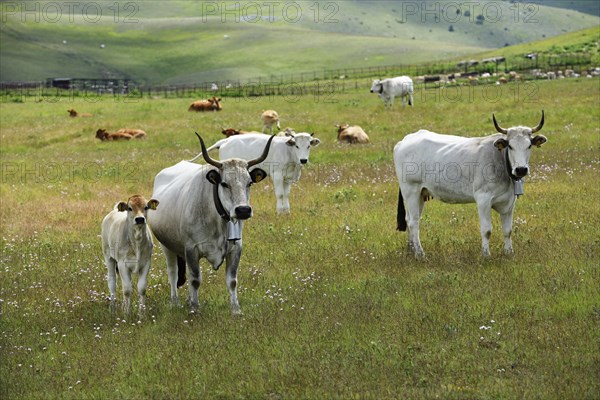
[{"x": 219, "y": 206}]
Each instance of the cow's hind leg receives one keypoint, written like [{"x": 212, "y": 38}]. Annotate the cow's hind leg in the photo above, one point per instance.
[
  {"x": 233, "y": 262},
  {"x": 414, "y": 208}
]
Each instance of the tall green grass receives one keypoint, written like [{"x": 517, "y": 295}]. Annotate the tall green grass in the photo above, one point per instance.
[{"x": 333, "y": 306}]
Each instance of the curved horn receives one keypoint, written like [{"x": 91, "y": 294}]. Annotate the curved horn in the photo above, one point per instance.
[
  {"x": 264, "y": 154},
  {"x": 498, "y": 128},
  {"x": 206, "y": 156},
  {"x": 539, "y": 126}
]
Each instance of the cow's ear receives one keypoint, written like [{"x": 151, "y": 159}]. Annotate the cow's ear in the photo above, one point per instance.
[
  {"x": 122, "y": 206},
  {"x": 213, "y": 176},
  {"x": 501, "y": 143},
  {"x": 538, "y": 140},
  {"x": 152, "y": 204},
  {"x": 257, "y": 175},
  {"x": 315, "y": 142},
  {"x": 291, "y": 142}
]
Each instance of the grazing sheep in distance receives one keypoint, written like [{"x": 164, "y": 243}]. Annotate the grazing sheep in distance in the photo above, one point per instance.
[
  {"x": 351, "y": 134},
  {"x": 103, "y": 135},
  {"x": 269, "y": 118},
  {"x": 74, "y": 114},
  {"x": 212, "y": 104}
]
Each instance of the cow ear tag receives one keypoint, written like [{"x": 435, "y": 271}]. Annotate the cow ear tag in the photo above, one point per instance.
[
  {"x": 152, "y": 204},
  {"x": 257, "y": 175},
  {"x": 213, "y": 177}
]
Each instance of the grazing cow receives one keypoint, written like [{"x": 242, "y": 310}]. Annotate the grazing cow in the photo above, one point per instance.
[
  {"x": 201, "y": 215},
  {"x": 75, "y": 114},
  {"x": 351, "y": 134},
  {"x": 212, "y": 104},
  {"x": 483, "y": 170},
  {"x": 121, "y": 134},
  {"x": 389, "y": 88},
  {"x": 270, "y": 118},
  {"x": 284, "y": 163},
  {"x": 127, "y": 246}
]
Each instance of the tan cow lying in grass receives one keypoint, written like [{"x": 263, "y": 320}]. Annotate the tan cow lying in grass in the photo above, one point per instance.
[
  {"x": 127, "y": 247},
  {"x": 269, "y": 118},
  {"x": 121, "y": 134},
  {"x": 74, "y": 114},
  {"x": 212, "y": 104},
  {"x": 351, "y": 134}
]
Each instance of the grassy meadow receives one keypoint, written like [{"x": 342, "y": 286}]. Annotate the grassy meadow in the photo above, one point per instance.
[{"x": 333, "y": 306}]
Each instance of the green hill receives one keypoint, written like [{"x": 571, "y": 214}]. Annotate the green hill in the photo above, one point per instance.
[{"x": 187, "y": 41}]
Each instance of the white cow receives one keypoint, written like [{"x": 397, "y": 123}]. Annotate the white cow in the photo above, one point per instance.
[
  {"x": 389, "y": 88},
  {"x": 201, "y": 214},
  {"x": 127, "y": 245},
  {"x": 283, "y": 164},
  {"x": 483, "y": 170}
]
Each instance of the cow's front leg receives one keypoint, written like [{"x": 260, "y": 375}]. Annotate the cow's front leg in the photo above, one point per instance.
[
  {"x": 282, "y": 194},
  {"x": 126, "y": 285},
  {"x": 485, "y": 226},
  {"x": 111, "y": 266},
  {"x": 506, "y": 221},
  {"x": 192, "y": 259},
  {"x": 142, "y": 285},
  {"x": 172, "y": 272},
  {"x": 233, "y": 262}
]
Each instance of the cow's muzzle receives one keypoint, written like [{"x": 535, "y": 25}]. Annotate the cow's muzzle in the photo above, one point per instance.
[
  {"x": 521, "y": 171},
  {"x": 304, "y": 161},
  {"x": 243, "y": 212},
  {"x": 140, "y": 220}
]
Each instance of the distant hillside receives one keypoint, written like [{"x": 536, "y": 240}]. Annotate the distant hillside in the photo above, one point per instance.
[{"x": 194, "y": 41}]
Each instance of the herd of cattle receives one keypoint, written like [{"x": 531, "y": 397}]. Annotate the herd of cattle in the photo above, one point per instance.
[{"x": 198, "y": 210}]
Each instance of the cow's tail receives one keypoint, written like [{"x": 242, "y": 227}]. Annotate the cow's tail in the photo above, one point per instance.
[
  {"x": 401, "y": 216},
  {"x": 180, "y": 271}
]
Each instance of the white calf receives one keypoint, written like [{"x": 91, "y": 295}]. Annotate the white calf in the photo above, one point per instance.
[{"x": 127, "y": 246}]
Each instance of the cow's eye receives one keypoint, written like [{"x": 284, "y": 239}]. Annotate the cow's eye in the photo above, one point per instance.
[
  {"x": 225, "y": 185},
  {"x": 129, "y": 209},
  {"x": 510, "y": 147}
]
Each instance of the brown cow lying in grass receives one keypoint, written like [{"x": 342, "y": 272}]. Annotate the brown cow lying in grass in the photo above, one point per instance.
[
  {"x": 74, "y": 114},
  {"x": 121, "y": 134},
  {"x": 351, "y": 134},
  {"x": 212, "y": 104}
]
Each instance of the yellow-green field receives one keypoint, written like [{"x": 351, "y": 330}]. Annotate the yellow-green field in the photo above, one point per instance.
[{"x": 333, "y": 306}]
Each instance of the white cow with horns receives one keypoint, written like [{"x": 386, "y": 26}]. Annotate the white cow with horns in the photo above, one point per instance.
[
  {"x": 201, "y": 215},
  {"x": 283, "y": 164},
  {"x": 484, "y": 170},
  {"x": 389, "y": 88}
]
